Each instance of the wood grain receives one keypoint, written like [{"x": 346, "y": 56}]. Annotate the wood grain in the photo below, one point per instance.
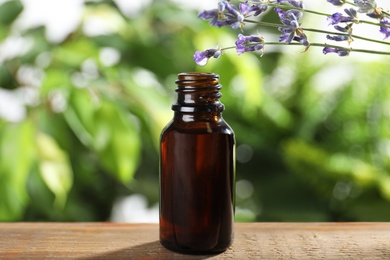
[{"x": 140, "y": 241}]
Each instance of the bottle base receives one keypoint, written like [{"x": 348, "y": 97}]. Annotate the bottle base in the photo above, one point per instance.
[{"x": 190, "y": 251}]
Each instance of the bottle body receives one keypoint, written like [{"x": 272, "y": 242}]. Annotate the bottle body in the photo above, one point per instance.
[{"x": 197, "y": 179}]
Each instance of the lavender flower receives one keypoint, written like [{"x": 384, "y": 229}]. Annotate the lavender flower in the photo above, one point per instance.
[
  {"x": 246, "y": 9},
  {"x": 296, "y": 3},
  {"x": 249, "y": 43},
  {"x": 209, "y": 15},
  {"x": 340, "y": 18},
  {"x": 365, "y": 6},
  {"x": 339, "y": 51},
  {"x": 225, "y": 15},
  {"x": 202, "y": 57},
  {"x": 302, "y": 39},
  {"x": 369, "y": 7},
  {"x": 290, "y": 15},
  {"x": 385, "y": 29},
  {"x": 337, "y": 2},
  {"x": 346, "y": 29},
  {"x": 339, "y": 38},
  {"x": 376, "y": 14},
  {"x": 291, "y": 27}
]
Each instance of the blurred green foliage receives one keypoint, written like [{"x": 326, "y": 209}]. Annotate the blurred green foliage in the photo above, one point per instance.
[{"x": 313, "y": 140}]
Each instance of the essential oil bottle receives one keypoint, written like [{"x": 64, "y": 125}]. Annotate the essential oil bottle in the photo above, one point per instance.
[{"x": 197, "y": 170}]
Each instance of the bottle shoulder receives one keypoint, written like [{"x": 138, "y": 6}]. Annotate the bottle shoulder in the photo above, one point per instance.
[{"x": 198, "y": 127}]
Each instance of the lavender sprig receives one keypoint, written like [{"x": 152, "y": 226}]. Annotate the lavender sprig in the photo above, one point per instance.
[
  {"x": 249, "y": 43},
  {"x": 291, "y": 27},
  {"x": 202, "y": 57},
  {"x": 290, "y": 13},
  {"x": 229, "y": 15}
]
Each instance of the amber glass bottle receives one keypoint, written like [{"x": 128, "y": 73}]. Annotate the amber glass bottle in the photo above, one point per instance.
[{"x": 197, "y": 170}]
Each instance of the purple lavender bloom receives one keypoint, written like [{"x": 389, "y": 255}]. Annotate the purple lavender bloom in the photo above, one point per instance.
[
  {"x": 351, "y": 12},
  {"x": 365, "y": 6},
  {"x": 246, "y": 9},
  {"x": 376, "y": 14},
  {"x": 336, "y": 18},
  {"x": 340, "y": 18},
  {"x": 346, "y": 29},
  {"x": 385, "y": 29},
  {"x": 212, "y": 15},
  {"x": 249, "y": 43},
  {"x": 337, "y": 2},
  {"x": 302, "y": 39},
  {"x": 369, "y": 7},
  {"x": 339, "y": 51},
  {"x": 202, "y": 57},
  {"x": 296, "y": 3},
  {"x": 291, "y": 28},
  {"x": 225, "y": 15},
  {"x": 209, "y": 14},
  {"x": 339, "y": 38},
  {"x": 290, "y": 16}
]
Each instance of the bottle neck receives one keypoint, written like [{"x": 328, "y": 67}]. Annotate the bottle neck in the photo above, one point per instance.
[
  {"x": 186, "y": 117},
  {"x": 198, "y": 95}
]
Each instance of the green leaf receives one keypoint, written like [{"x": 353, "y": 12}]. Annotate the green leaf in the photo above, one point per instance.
[
  {"x": 9, "y": 11},
  {"x": 16, "y": 157},
  {"x": 7, "y": 79},
  {"x": 3, "y": 33},
  {"x": 74, "y": 53},
  {"x": 156, "y": 114},
  {"x": 384, "y": 186},
  {"x": 119, "y": 138},
  {"x": 54, "y": 168},
  {"x": 80, "y": 115},
  {"x": 107, "y": 130},
  {"x": 54, "y": 78}
]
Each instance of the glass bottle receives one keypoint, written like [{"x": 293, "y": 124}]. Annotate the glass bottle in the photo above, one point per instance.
[{"x": 197, "y": 170}]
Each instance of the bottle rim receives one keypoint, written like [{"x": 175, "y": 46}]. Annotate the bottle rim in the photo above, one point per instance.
[{"x": 197, "y": 76}]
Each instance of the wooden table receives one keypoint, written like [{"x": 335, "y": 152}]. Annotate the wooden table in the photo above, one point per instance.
[{"x": 140, "y": 241}]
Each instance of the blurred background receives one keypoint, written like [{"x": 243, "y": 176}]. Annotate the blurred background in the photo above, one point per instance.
[{"x": 86, "y": 88}]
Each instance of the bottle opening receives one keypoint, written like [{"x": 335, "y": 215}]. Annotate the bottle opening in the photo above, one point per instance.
[
  {"x": 198, "y": 91},
  {"x": 198, "y": 80},
  {"x": 196, "y": 76}
]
